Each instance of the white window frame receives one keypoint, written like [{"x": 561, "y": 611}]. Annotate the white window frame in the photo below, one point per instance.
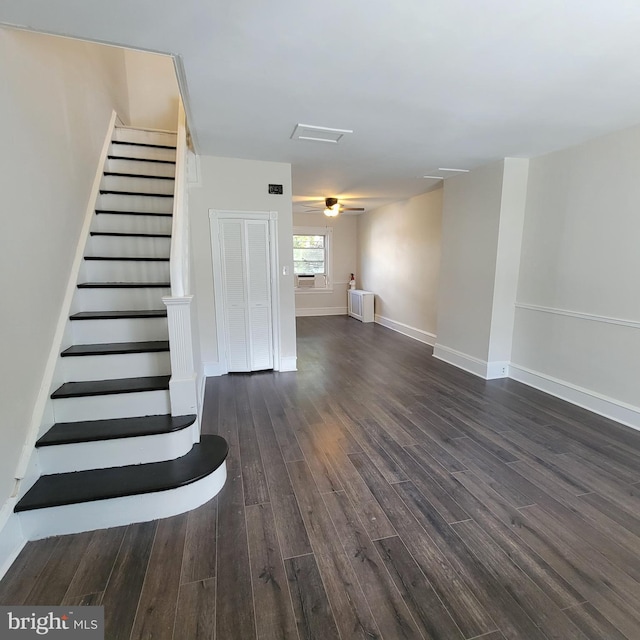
[{"x": 327, "y": 232}]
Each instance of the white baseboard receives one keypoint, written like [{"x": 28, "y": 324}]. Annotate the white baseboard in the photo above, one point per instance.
[
  {"x": 480, "y": 368},
  {"x": 12, "y": 538},
  {"x": 497, "y": 369},
  {"x": 417, "y": 334},
  {"x": 322, "y": 311},
  {"x": 288, "y": 363},
  {"x": 602, "y": 405},
  {"x": 213, "y": 369}
]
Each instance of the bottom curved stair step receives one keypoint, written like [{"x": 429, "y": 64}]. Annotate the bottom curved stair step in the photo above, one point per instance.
[{"x": 117, "y": 482}]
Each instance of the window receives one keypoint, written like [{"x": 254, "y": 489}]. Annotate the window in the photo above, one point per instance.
[
  {"x": 312, "y": 258},
  {"x": 309, "y": 255}
]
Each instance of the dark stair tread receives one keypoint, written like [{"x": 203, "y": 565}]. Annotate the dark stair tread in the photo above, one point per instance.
[
  {"x": 116, "y": 482},
  {"x": 116, "y": 192},
  {"x": 113, "y": 348},
  {"x": 144, "y": 144},
  {"x": 97, "y": 430},
  {"x": 121, "y": 234},
  {"x": 129, "y": 258},
  {"x": 117, "y": 212},
  {"x": 122, "y": 285},
  {"x": 137, "y": 175},
  {"x": 119, "y": 315},
  {"x": 112, "y": 157},
  {"x": 109, "y": 387}
]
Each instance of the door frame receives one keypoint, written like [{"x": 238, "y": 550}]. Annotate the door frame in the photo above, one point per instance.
[{"x": 215, "y": 215}]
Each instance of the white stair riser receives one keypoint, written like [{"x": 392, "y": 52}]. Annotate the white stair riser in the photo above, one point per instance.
[
  {"x": 142, "y": 185},
  {"x": 140, "y": 167},
  {"x": 120, "y": 299},
  {"x": 103, "y": 514},
  {"x": 142, "y": 135},
  {"x": 120, "y": 330},
  {"x": 117, "y": 202},
  {"x": 132, "y": 151},
  {"x": 116, "y": 223},
  {"x": 102, "y": 454},
  {"x": 118, "y": 246},
  {"x": 126, "y": 271},
  {"x": 118, "y": 405},
  {"x": 116, "y": 365}
]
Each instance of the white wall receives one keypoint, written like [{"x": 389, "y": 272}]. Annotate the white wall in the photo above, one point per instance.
[
  {"x": 344, "y": 240},
  {"x": 153, "y": 90},
  {"x": 581, "y": 256},
  {"x": 471, "y": 219},
  {"x": 481, "y": 244},
  {"x": 239, "y": 185},
  {"x": 512, "y": 208},
  {"x": 399, "y": 260},
  {"x": 56, "y": 102}
]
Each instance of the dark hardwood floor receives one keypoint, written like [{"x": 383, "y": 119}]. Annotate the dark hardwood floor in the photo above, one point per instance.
[{"x": 375, "y": 493}]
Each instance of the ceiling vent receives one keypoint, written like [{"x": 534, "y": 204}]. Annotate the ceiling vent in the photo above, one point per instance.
[{"x": 318, "y": 134}]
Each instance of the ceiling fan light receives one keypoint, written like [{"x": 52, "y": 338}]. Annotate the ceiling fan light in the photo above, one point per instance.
[{"x": 332, "y": 212}]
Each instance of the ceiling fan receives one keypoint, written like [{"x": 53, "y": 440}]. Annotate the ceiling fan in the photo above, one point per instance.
[{"x": 333, "y": 207}]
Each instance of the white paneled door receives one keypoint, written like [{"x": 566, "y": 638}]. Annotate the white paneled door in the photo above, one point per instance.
[{"x": 246, "y": 288}]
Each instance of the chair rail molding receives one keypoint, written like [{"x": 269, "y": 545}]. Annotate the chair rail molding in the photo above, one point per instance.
[{"x": 635, "y": 324}]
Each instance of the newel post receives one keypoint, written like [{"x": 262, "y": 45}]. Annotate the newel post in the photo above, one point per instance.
[{"x": 182, "y": 387}]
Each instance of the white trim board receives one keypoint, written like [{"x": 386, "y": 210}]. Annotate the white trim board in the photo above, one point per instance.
[
  {"x": 300, "y": 291},
  {"x": 480, "y": 368},
  {"x": 12, "y": 538},
  {"x": 288, "y": 363},
  {"x": 213, "y": 369},
  {"x": 591, "y": 400},
  {"x": 407, "y": 330},
  {"x": 321, "y": 311},
  {"x": 202, "y": 389}
]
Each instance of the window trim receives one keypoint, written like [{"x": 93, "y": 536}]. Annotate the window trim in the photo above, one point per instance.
[{"x": 327, "y": 232}]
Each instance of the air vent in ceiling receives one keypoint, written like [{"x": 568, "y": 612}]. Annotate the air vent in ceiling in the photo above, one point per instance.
[{"x": 318, "y": 134}]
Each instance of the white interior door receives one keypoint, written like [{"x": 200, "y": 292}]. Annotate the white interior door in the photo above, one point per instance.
[{"x": 246, "y": 282}]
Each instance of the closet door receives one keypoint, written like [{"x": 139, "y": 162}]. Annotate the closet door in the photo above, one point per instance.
[
  {"x": 246, "y": 279},
  {"x": 234, "y": 285},
  {"x": 259, "y": 298}
]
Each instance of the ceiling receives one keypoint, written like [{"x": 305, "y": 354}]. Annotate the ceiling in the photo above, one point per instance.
[{"x": 422, "y": 83}]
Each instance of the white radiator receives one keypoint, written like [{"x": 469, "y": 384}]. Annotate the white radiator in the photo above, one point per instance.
[{"x": 361, "y": 304}]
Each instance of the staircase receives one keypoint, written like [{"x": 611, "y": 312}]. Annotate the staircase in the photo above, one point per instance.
[{"x": 115, "y": 454}]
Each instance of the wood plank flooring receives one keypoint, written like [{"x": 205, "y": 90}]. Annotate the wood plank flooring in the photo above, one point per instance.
[{"x": 377, "y": 493}]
